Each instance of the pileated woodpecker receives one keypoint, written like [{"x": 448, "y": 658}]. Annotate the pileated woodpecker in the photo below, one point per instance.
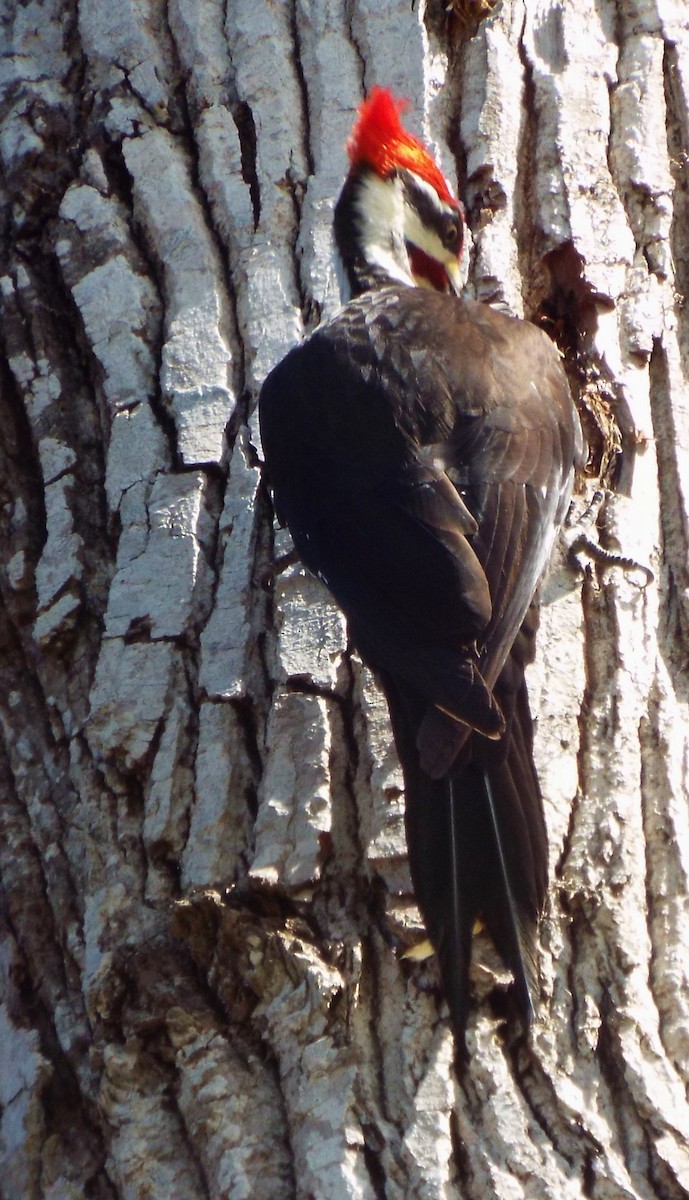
[{"x": 422, "y": 449}]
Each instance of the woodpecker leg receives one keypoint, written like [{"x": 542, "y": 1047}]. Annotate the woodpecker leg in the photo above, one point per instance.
[
  {"x": 285, "y": 560},
  {"x": 583, "y": 549},
  {"x": 267, "y": 577}
]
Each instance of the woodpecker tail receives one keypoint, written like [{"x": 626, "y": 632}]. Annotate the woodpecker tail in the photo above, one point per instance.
[{"x": 477, "y": 846}]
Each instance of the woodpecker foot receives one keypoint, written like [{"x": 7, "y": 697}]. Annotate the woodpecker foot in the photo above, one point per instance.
[
  {"x": 279, "y": 564},
  {"x": 283, "y": 561},
  {"x": 583, "y": 549}
]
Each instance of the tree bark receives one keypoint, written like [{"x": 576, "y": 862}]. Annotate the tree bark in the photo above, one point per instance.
[{"x": 204, "y": 889}]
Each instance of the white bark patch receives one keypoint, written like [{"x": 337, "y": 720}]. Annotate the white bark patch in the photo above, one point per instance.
[
  {"x": 261, "y": 259},
  {"x": 639, "y": 151},
  {"x": 267, "y": 82},
  {"x": 665, "y": 754},
  {"x": 556, "y": 683},
  {"x": 24, "y": 1077},
  {"x": 311, "y": 631},
  {"x": 169, "y": 796},
  {"x": 294, "y": 815},
  {"x": 394, "y": 43},
  {"x": 116, "y": 299},
  {"x": 268, "y": 303},
  {"x": 220, "y": 823},
  {"x": 576, "y": 198},
  {"x": 268, "y": 300},
  {"x": 109, "y": 298},
  {"x": 196, "y": 357},
  {"x": 118, "y": 39},
  {"x": 59, "y": 568},
  {"x": 129, "y": 698},
  {"x": 136, "y": 453},
  {"x": 56, "y": 458},
  {"x": 161, "y": 585},
  {"x": 197, "y": 27},
  {"x": 226, "y": 641},
  {"x": 332, "y": 78},
  {"x": 221, "y": 169},
  {"x": 380, "y": 787},
  {"x": 491, "y": 128},
  {"x": 426, "y": 1144}
]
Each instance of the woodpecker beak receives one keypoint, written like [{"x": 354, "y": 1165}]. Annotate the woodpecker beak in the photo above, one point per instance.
[
  {"x": 438, "y": 271},
  {"x": 454, "y": 276}
]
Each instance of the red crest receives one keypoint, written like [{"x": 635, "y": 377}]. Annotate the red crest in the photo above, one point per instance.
[{"x": 380, "y": 140}]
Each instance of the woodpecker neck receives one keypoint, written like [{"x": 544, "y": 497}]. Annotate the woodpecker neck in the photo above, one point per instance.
[{"x": 369, "y": 233}]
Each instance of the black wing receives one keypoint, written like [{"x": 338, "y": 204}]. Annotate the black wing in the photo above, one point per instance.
[
  {"x": 423, "y": 478},
  {"x": 422, "y": 450}
]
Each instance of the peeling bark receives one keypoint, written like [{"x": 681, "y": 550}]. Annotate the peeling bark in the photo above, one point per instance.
[{"x": 204, "y": 891}]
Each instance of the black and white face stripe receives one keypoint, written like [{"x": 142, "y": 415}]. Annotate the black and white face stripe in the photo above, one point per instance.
[{"x": 430, "y": 222}]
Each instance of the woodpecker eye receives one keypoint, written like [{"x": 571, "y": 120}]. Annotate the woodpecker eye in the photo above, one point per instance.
[{"x": 452, "y": 233}]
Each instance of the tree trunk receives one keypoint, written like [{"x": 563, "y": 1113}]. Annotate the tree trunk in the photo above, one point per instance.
[{"x": 205, "y": 894}]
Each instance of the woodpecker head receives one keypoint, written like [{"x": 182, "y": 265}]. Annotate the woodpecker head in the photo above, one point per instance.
[{"x": 396, "y": 218}]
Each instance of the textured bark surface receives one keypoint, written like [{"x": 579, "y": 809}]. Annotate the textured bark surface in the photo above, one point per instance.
[{"x": 204, "y": 887}]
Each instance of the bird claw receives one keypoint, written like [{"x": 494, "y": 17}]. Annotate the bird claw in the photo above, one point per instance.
[{"x": 583, "y": 549}]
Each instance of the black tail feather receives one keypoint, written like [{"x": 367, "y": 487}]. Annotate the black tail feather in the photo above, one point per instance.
[
  {"x": 507, "y": 920},
  {"x": 477, "y": 847},
  {"x": 455, "y": 947}
]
